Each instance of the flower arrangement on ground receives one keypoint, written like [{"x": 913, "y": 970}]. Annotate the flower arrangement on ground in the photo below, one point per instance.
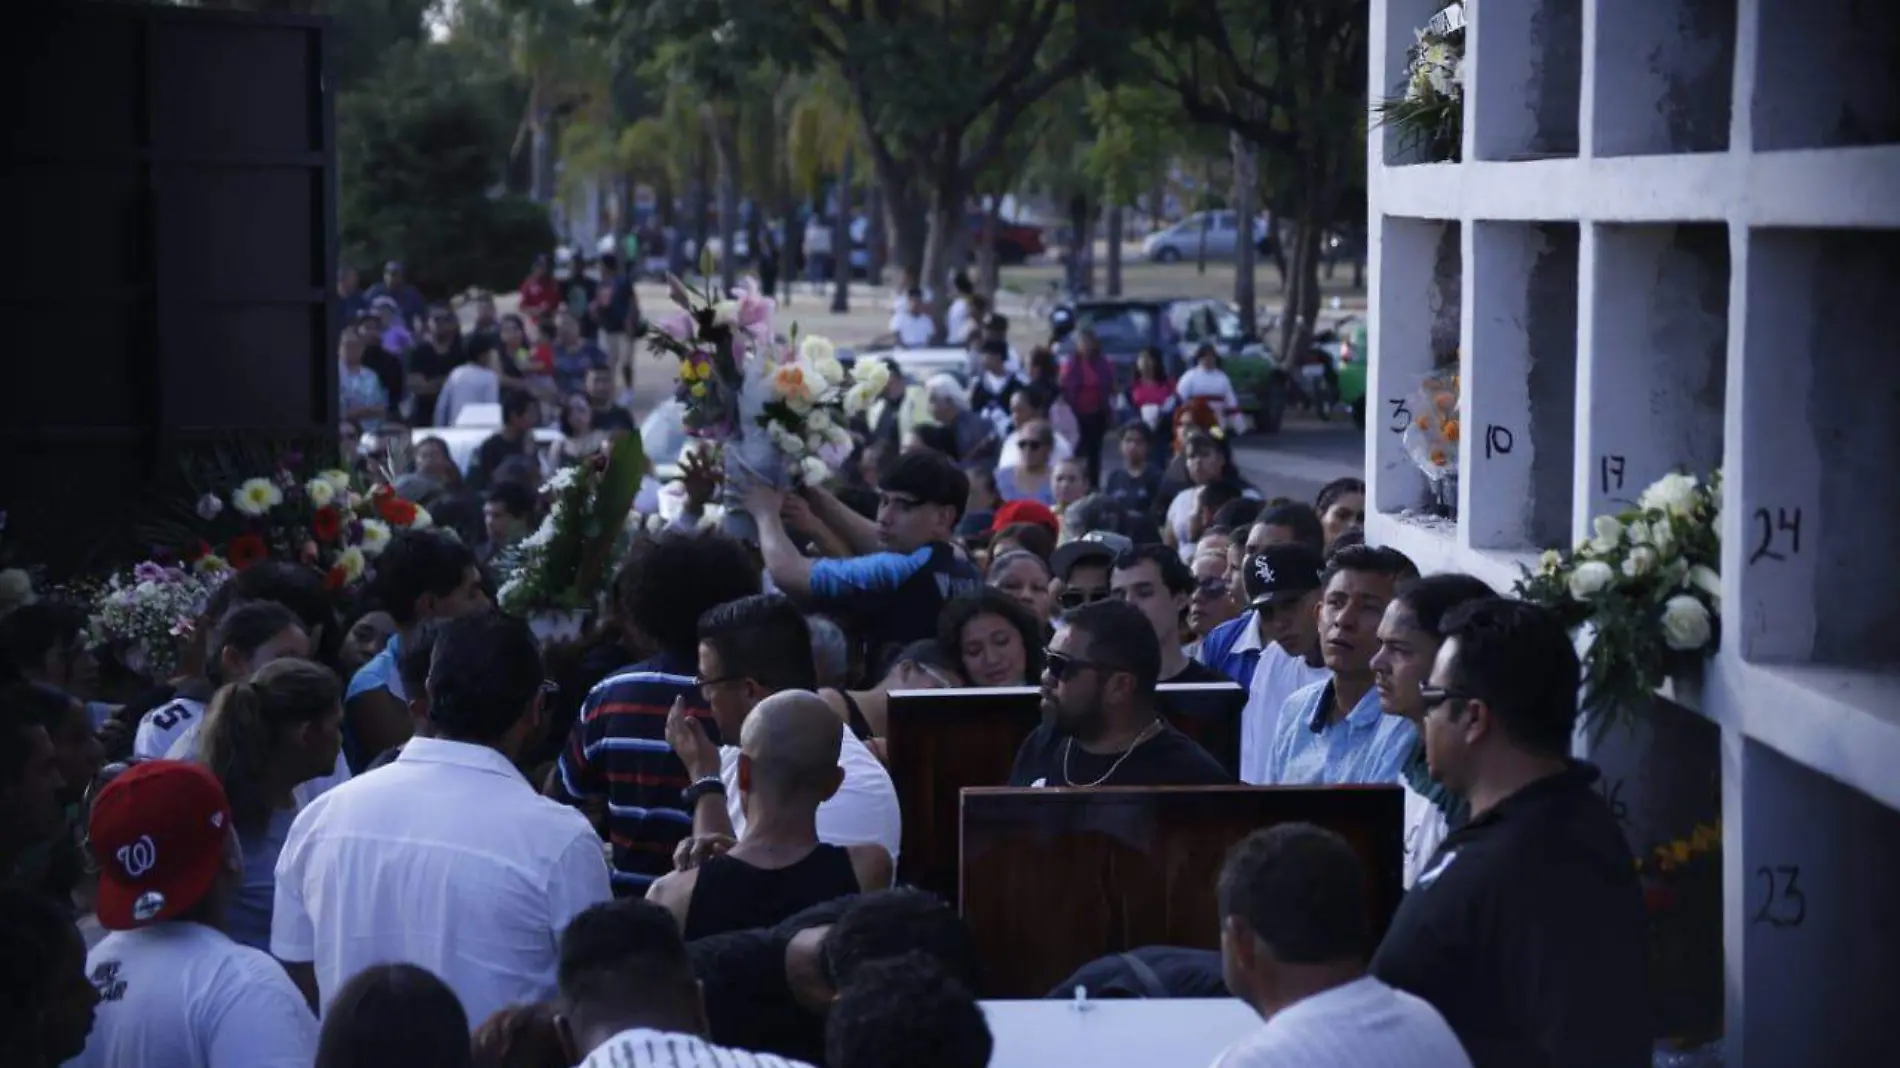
[
  {"x": 779, "y": 408},
  {"x": 324, "y": 521},
  {"x": 1682, "y": 893},
  {"x": 1429, "y": 110},
  {"x": 562, "y": 565},
  {"x": 1648, "y": 586},
  {"x": 150, "y": 614}
]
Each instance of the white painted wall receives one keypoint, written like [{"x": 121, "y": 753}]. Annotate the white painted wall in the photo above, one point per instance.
[{"x": 1717, "y": 183}]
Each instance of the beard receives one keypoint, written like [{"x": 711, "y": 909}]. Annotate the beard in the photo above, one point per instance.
[{"x": 1068, "y": 720}]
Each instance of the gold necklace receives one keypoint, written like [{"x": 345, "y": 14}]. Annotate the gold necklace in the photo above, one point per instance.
[{"x": 1069, "y": 743}]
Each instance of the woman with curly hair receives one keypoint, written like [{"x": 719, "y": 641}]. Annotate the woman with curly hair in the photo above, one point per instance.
[{"x": 995, "y": 640}]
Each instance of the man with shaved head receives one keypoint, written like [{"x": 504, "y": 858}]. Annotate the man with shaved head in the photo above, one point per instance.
[{"x": 787, "y": 767}]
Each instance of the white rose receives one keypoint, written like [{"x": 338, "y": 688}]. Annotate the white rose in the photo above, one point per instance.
[
  {"x": 813, "y": 471},
  {"x": 1638, "y": 532},
  {"x": 725, "y": 313},
  {"x": 816, "y": 349},
  {"x": 859, "y": 397},
  {"x": 818, "y": 423},
  {"x": 1685, "y": 623},
  {"x": 1609, "y": 533},
  {"x": 1641, "y": 561},
  {"x": 1672, "y": 493},
  {"x": 1707, "y": 580},
  {"x": 375, "y": 536},
  {"x": 839, "y": 437},
  {"x": 339, "y": 480},
  {"x": 1590, "y": 577},
  {"x": 1663, "y": 536},
  {"x": 320, "y": 491},
  {"x": 1549, "y": 562}
]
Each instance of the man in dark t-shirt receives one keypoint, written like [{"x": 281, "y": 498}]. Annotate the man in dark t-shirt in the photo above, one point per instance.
[
  {"x": 442, "y": 351},
  {"x": 1102, "y": 725},
  {"x": 908, "y": 570}
]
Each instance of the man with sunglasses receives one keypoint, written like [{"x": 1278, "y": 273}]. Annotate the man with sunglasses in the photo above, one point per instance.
[
  {"x": 1526, "y": 929},
  {"x": 1101, "y": 724},
  {"x": 908, "y": 567},
  {"x": 1081, "y": 568}
]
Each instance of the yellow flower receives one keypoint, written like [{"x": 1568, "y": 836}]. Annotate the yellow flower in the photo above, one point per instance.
[
  {"x": 210, "y": 564},
  {"x": 699, "y": 389},
  {"x": 1679, "y": 852}
]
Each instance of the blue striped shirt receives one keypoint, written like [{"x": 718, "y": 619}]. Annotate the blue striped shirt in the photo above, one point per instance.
[
  {"x": 1365, "y": 746},
  {"x": 618, "y": 752}
]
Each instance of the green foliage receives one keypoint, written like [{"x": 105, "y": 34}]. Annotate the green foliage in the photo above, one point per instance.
[{"x": 419, "y": 152}]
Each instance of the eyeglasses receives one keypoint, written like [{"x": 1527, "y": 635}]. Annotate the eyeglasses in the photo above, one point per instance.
[
  {"x": 1062, "y": 667},
  {"x": 902, "y": 504},
  {"x": 1212, "y": 587},
  {"x": 1433, "y": 696},
  {"x": 1078, "y": 598},
  {"x": 1035, "y": 443},
  {"x": 706, "y": 685}
]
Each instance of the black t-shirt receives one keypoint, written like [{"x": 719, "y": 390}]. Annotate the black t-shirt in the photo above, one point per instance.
[
  {"x": 431, "y": 362},
  {"x": 612, "y": 418},
  {"x": 1168, "y": 758},
  {"x": 1222, "y": 704},
  {"x": 389, "y": 372},
  {"x": 1527, "y": 932},
  {"x": 1134, "y": 492},
  {"x": 494, "y": 452},
  {"x": 893, "y": 598},
  {"x": 749, "y": 1004}
]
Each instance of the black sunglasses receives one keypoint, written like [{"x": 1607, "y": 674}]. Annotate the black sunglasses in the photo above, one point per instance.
[
  {"x": 1062, "y": 667},
  {"x": 1078, "y": 598},
  {"x": 1433, "y": 696},
  {"x": 1212, "y": 587}
]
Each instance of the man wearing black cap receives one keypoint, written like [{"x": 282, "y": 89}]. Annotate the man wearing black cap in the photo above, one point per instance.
[
  {"x": 1081, "y": 568},
  {"x": 908, "y": 569},
  {"x": 1281, "y": 627}
]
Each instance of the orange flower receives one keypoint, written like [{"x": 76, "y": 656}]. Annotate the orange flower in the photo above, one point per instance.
[
  {"x": 1438, "y": 458},
  {"x": 1451, "y": 430},
  {"x": 244, "y": 550},
  {"x": 1424, "y": 422},
  {"x": 1446, "y": 401}
]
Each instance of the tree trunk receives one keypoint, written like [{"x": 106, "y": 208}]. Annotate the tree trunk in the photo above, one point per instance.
[
  {"x": 698, "y": 202},
  {"x": 1078, "y": 239},
  {"x": 841, "y": 242},
  {"x": 725, "y": 139},
  {"x": 988, "y": 275},
  {"x": 875, "y": 234},
  {"x": 541, "y": 184},
  {"x": 1158, "y": 198},
  {"x": 1245, "y": 181},
  {"x": 1115, "y": 250},
  {"x": 946, "y": 219}
]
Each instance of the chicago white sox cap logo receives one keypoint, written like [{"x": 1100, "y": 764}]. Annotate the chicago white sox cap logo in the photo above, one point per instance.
[
  {"x": 1263, "y": 570},
  {"x": 138, "y": 857}
]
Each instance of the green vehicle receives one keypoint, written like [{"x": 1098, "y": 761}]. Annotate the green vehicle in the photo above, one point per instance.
[{"x": 1333, "y": 377}]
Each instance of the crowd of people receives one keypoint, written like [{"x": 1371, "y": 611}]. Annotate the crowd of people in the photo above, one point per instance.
[{"x": 404, "y": 831}]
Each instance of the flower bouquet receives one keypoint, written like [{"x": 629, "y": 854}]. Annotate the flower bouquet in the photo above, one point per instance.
[
  {"x": 324, "y": 522},
  {"x": 1429, "y": 111},
  {"x": 1682, "y": 894},
  {"x": 778, "y": 408},
  {"x": 150, "y": 615},
  {"x": 1647, "y": 584},
  {"x": 559, "y": 569},
  {"x": 1432, "y": 433}
]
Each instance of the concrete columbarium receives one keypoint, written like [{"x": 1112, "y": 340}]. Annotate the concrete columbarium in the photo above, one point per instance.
[{"x": 1674, "y": 244}]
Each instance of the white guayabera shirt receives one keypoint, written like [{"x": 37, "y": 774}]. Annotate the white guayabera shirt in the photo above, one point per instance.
[
  {"x": 182, "y": 995},
  {"x": 1362, "y": 1024},
  {"x": 643, "y": 1048}
]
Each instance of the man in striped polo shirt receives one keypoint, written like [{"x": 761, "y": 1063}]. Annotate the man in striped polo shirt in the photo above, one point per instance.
[{"x": 617, "y": 752}]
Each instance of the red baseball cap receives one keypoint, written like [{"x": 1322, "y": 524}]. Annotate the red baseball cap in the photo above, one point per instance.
[
  {"x": 1026, "y": 511},
  {"x": 158, "y": 835}
]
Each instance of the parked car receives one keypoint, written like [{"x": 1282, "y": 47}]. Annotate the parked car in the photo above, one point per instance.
[
  {"x": 1174, "y": 326},
  {"x": 1182, "y": 241},
  {"x": 1015, "y": 242}
]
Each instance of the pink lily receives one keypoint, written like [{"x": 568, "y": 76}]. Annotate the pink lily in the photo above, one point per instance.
[{"x": 677, "y": 325}]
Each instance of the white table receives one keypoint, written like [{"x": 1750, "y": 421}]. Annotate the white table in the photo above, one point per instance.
[{"x": 1174, "y": 1032}]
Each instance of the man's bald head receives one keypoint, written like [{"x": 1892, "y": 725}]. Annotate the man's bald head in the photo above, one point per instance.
[{"x": 791, "y": 743}]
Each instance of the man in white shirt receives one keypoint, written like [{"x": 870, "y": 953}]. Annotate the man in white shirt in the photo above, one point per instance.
[
  {"x": 446, "y": 858},
  {"x": 174, "y": 991},
  {"x": 1293, "y": 946},
  {"x": 911, "y": 323},
  {"x": 629, "y": 998},
  {"x": 749, "y": 650},
  {"x": 1282, "y": 586}
]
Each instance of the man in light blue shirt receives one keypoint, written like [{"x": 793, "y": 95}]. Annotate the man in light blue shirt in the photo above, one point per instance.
[{"x": 1333, "y": 732}]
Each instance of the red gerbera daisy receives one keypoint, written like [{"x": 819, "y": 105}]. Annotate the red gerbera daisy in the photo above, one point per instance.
[
  {"x": 336, "y": 578},
  {"x": 396, "y": 511},
  {"x": 327, "y": 524},
  {"x": 244, "y": 550}
]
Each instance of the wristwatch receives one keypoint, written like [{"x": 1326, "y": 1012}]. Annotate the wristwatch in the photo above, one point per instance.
[{"x": 711, "y": 784}]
